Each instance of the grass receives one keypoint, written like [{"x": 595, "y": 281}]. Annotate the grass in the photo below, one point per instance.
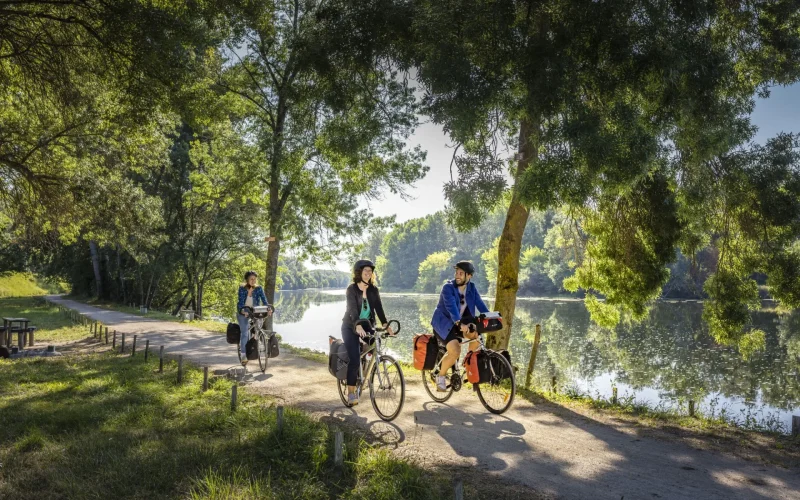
[
  {"x": 105, "y": 426},
  {"x": 20, "y": 285},
  {"x": 51, "y": 325}
]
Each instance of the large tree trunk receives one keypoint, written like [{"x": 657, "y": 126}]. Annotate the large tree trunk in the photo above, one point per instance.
[
  {"x": 511, "y": 240},
  {"x": 271, "y": 273},
  {"x": 122, "y": 294},
  {"x": 98, "y": 278}
]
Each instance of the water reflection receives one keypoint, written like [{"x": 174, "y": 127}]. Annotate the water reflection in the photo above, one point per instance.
[{"x": 668, "y": 358}]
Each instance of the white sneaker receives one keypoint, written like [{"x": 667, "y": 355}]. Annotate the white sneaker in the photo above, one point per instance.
[
  {"x": 352, "y": 399},
  {"x": 441, "y": 383}
]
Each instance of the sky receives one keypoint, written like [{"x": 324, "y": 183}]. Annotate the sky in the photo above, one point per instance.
[{"x": 779, "y": 113}]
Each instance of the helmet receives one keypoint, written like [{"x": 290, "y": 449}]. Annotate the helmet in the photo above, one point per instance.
[
  {"x": 361, "y": 264},
  {"x": 465, "y": 266},
  {"x": 248, "y": 274}
]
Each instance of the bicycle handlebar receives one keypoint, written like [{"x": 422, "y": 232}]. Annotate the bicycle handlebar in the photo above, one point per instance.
[{"x": 388, "y": 324}]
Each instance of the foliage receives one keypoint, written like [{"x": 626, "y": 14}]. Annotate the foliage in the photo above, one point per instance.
[{"x": 434, "y": 271}]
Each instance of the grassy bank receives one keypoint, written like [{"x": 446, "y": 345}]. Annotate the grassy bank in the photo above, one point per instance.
[
  {"x": 104, "y": 426},
  {"x": 210, "y": 325},
  {"x": 52, "y": 325},
  {"x": 25, "y": 285}
]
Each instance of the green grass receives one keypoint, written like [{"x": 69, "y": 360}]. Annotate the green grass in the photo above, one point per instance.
[
  {"x": 52, "y": 325},
  {"x": 19, "y": 285},
  {"x": 105, "y": 426}
]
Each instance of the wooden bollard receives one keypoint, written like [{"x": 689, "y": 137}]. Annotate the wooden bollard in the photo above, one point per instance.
[
  {"x": 180, "y": 368},
  {"x": 107, "y": 335},
  {"x": 691, "y": 407},
  {"x": 338, "y": 449},
  {"x": 30, "y": 338},
  {"x": 114, "y": 344},
  {"x": 532, "y": 361},
  {"x": 795, "y": 425},
  {"x": 459, "y": 490},
  {"x": 161, "y": 360},
  {"x": 122, "y": 347},
  {"x": 280, "y": 419},
  {"x": 205, "y": 378},
  {"x": 553, "y": 384},
  {"x": 613, "y": 395},
  {"x": 234, "y": 388},
  {"x": 133, "y": 349},
  {"x": 146, "y": 349}
]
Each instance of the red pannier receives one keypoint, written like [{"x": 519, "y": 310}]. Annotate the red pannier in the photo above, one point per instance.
[
  {"x": 489, "y": 322},
  {"x": 472, "y": 365},
  {"x": 425, "y": 350}
]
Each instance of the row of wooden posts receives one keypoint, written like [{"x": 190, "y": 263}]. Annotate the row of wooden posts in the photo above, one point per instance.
[{"x": 100, "y": 332}]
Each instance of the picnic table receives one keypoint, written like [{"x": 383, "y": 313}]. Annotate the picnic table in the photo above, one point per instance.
[{"x": 9, "y": 328}]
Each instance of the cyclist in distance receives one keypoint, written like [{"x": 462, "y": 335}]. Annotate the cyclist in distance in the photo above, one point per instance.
[
  {"x": 250, "y": 295},
  {"x": 363, "y": 303},
  {"x": 458, "y": 301}
]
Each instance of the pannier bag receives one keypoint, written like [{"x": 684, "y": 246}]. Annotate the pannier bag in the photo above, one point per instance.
[
  {"x": 425, "y": 351},
  {"x": 338, "y": 359},
  {"x": 494, "y": 367},
  {"x": 251, "y": 349},
  {"x": 272, "y": 347},
  {"x": 489, "y": 322},
  {"x": 233, "y": 335},
  {"x": 475, "y": 362}
]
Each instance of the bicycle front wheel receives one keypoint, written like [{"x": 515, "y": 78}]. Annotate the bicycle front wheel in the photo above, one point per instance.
[
  {"x": 497, "y": 394},
  {"x": 387, "y": 388},
  {"x": 262, "y": 352}
]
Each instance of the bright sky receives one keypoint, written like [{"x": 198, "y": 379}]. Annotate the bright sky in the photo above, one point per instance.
[{"x": 779, "y": 113}]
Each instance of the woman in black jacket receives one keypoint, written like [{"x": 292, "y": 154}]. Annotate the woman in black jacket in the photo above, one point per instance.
[{"x": 363, "y": 303}]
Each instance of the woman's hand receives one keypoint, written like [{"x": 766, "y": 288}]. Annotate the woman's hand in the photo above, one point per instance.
[
  {"x": 360, "y": 330},
  {"x": 244, "y": 313},
  {"x": 389, "y": 331}
]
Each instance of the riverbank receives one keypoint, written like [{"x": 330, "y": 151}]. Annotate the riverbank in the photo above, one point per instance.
[{"x": 711, "y": 431}]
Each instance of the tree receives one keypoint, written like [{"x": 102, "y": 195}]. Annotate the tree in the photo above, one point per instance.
[
  {"x": 434, "y": 271},
  {"x": 328, "y": 113},
  {"x": 609, "y": 107}
]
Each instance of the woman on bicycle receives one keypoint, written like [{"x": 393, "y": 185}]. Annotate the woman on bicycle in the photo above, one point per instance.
[
  {"x": 250, "y": 295},
  {"x": 458, "y": 302},
  {"x": 363, "y": 302}
]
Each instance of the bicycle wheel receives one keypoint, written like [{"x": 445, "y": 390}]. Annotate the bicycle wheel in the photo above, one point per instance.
[
  {"x": 262, "y": 352},
  {"x": 387, "y": 388},
  {"x": 341, "y": 385},
  {"x": 429, "y": 381},
  {"x": 497, "y": 394}
]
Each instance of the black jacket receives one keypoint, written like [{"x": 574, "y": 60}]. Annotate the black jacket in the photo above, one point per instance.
[{"x": 354, "y": 304}]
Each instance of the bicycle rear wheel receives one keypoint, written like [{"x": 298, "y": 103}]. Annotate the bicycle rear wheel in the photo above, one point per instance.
[
  {"x": 497, "y": 394},
  {"x": 262, "y": 352},
  {"x": 429, "y": 382},
  {"x": 341, "y": 385},
  {"x": 387, "y": 388}
]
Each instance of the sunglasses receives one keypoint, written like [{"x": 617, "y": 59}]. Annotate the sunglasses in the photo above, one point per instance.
[
  {"x": 364, "y": 305},
  {"x": 462, "y": 298}
]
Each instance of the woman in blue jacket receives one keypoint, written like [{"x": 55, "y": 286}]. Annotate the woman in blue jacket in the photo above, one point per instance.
[
  {"x": 458, "y": 302},
  {"x": 250, "y": 295}
]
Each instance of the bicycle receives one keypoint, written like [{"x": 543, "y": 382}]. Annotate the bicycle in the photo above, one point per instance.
[
  {"x": 496, "y": 395},
  {"x": 386, "y": 369},
  {"x": 256, "y": 317}
]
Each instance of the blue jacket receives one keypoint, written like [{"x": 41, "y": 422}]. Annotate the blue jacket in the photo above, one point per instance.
[
  {"x": 448, "y": 311},
  {"x": 258, "y": 298}
]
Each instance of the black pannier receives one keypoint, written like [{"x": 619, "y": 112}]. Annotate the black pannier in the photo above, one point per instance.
[
  {"x": 338, "y": 359},
  {"x": 233, "y": 335}
]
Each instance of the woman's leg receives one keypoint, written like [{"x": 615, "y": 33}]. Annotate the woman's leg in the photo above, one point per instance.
[
  {"x": 244, "y": 327},
  {"x": 352, "y": 343}
]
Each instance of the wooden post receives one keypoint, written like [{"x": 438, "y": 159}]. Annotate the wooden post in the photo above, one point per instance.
[
  {"x": 459, "y": 489},
  {"x": 107, "y": 335},
  {"x": 114, "y": 344},
  {"x": 122, "y": 348},
  {"x": 180, "y": 368},
  {"x": 161, "y": 360},
  {"x": 691, "y": 408},
  {"x": 280, "y": 419},
  {"x": 338, "y": 449},
  {"x": 234, "y": 388},
  {"x": 146, "y": 349},
  {"x": 133, "y": 349},
  {"x": 614, "y": 395},
  {"x": 532, "y": 361},
  {"x": 205, "y": 378},
  {"x": 795, "y": 425},
  {"x": 553, "y": 384},
  {"x": 30, "y": 338},
  {"x": 21, "y": 340}
]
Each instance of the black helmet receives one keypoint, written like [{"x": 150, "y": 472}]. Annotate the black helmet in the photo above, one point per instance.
[
  {"x": 465, "y": 266},
  {"x": 361, "y": 264},
  {"x": 248, "y": 274}
]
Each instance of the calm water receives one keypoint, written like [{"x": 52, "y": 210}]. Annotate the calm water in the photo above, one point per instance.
[{"x": 665, "y": 360}]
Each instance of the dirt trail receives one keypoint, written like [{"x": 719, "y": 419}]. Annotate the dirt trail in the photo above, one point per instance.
[{"x": 563, "y": 455}]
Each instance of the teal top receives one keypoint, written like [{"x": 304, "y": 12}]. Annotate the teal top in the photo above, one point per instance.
[{"x": 365, "y": 310}]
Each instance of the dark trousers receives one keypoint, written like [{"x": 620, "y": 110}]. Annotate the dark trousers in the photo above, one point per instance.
[{"x": 352, "y": 343}]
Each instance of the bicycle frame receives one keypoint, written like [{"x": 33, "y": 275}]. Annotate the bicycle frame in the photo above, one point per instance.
[
  {"x": 457, "y": 366},
  {"x": 377, "y": 351}
]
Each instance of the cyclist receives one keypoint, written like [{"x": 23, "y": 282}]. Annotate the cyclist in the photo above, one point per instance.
[
  {"x": 456, "y": 310},
  {"x": 363, "y": 302},
  {"x": 250, "y": 295}
]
